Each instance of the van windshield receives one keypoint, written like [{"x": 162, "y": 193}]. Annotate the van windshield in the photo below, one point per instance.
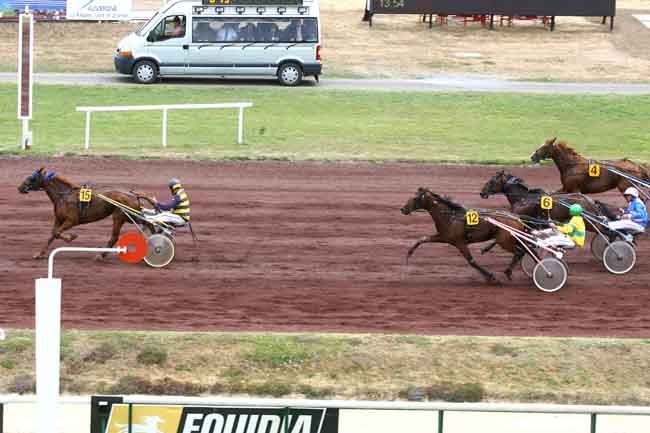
[{"x": 139, "y": 30}]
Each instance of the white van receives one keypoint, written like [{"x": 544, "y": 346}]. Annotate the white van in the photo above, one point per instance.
[{"x": 278, "y": 38}]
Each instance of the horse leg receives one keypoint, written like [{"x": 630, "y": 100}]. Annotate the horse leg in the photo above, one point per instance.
[
  {"x": 516, "y": 258},
  {"x": 118, "y": 222},
  {"x": 422, "y": 240},
  {"x": 489, "y": 276},
  {"x": 488, "y": 248},
  {"x": 43, "y": 251},
  {"x": 68, "y": 237},
  {"x": 57, "y": 231}
]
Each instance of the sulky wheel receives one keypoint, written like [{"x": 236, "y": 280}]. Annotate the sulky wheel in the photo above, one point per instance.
[
  {"x": 528, "y": 264},
  {"x": 160, "y": 251},
  {"x": 598, "y": 246},
  {"x": 550, "y": 274},
  {"x": 619, "y": 257}
]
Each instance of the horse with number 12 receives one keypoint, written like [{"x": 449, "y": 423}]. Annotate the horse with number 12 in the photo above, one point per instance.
[{"x": 460, "y": 227}]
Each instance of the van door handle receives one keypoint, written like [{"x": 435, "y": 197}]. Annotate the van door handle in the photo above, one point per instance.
[{"x": 186, "y": 47}]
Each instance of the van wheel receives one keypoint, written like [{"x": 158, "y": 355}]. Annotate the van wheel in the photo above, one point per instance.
[
  {"x": 290, "y": 74},
  {"x": 145, "y": 72}
]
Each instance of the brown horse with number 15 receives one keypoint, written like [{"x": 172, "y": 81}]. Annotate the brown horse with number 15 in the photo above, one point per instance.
[
  {"x": 67, "y": 210},
  {"x": 575, "y": 169}
]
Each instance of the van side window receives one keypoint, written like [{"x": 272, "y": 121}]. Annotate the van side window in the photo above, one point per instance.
[
  {"x": 174, "y": 26},
  {"x": 222, "y": 30},
  {"x": 171, "y": 27}
]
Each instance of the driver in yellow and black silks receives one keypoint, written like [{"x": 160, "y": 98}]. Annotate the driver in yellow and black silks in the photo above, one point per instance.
[
  {"x": 575, "y": 228},
  {"x": 177, "y": 210}
]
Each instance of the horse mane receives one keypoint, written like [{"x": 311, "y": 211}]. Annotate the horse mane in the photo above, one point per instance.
[
  {"x": 66, "y": 182},
  {"x": 519, "y": 181},
  {"x": 447, "y": 201},
  {"x": 562, "y": 144}
]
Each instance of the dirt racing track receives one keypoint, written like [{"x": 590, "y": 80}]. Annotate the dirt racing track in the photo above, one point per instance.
[{"x": 303, "y": 247}]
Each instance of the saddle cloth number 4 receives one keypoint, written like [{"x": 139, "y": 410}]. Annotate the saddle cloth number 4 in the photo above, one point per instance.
[
  {"x": 85, "y": 195},
  {"x": 594, "y": 170}
]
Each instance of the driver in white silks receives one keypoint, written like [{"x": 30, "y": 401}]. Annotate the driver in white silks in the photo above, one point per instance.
[
  {"x": 634, "y": 219},
  {"x": 176, "y": 211}
]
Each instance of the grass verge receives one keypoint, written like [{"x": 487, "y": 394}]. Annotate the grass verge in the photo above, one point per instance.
[
  {"x": 557, "y": 370},
  {"x": 309, "y": 124}
]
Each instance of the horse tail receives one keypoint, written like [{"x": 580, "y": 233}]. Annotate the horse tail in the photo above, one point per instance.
[
  {"x": 645, "y": 172},
  {"x": 605, "y": 209}
]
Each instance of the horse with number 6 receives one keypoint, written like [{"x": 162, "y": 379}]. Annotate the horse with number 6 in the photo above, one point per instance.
[
  {"x": 529, "y": 201},
  {"x": 450, "y": 220},
  {"x": 579, "y": 174},
  {"x": 67, "y": 198}
]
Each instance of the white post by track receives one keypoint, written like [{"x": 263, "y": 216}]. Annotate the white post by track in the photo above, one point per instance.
[
  {"x": 25, "y": 74},
  {"x": 240, "y": 126},
  {"x": 87, "y": 130},
  {"x": 48, "y": 339},
  {"x": 164, "y": 131}
]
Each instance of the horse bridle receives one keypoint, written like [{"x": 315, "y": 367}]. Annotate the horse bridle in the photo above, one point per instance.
[{"x": 34, "y": 178}]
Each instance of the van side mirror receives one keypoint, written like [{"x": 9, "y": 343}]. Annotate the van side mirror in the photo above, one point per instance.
[{"x": 151, "y": 37}]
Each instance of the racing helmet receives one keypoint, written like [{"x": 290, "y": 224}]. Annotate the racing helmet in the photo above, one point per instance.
[
  {"x": 575, "y": 209},
  {"x": 174, "y": 184},
  {"x": 632, "y": 191}
]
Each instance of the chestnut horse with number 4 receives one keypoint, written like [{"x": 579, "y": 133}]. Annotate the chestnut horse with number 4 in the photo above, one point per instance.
[
  {"x": 64, "y": 195},
  {"x": 574, "y": 169}
]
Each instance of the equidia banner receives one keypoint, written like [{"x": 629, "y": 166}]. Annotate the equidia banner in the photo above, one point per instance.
[
  {"x": 109, "y": 10},
  {"x": 219, "y": 419}
]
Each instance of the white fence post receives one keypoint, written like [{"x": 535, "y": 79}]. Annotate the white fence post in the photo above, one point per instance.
[
  {"x": 165, "y": 108},
  {"x": 87, "y": 130},
  {"x": 164, "y": 126},
  {"x": 240, "y": 129}
]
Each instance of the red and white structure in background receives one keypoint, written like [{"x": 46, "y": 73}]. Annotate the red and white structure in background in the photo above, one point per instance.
[{"x": 25, "y": 73}]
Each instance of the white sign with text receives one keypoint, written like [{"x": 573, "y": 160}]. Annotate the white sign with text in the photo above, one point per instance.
[{"x": 99, "y": 10}]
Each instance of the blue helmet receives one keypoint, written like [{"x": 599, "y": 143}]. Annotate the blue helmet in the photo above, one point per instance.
[{"x": 174, "y": 183}]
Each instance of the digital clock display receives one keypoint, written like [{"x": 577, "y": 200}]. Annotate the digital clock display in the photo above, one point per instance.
[
  {"x": 252, "y": 2},
  {"x": 404, "y": 6}
]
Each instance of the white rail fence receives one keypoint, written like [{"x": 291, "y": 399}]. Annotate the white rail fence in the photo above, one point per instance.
[
  {"x": 368, "y": 409},
  {"x": 165, "y": 108}
]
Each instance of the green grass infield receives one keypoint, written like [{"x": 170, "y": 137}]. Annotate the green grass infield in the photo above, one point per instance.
[{"x": 316, "y": 124}]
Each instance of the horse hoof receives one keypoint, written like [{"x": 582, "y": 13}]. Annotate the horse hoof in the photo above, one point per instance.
[
  {"x": 492, "y": 280},
  {"x": 38, "y": 256},
  {"x": 99, "y": 258},
  {"x": 508, "y": 274}
]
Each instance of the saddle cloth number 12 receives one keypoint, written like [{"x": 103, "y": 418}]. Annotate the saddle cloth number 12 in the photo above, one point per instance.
[{"x": 472, "y": 218}]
